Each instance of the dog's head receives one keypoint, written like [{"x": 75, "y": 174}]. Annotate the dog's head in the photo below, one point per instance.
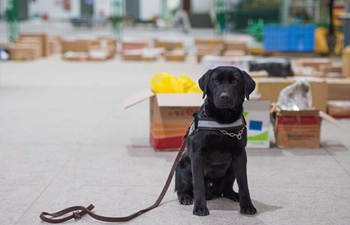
[{"x": 226, "y": 86}]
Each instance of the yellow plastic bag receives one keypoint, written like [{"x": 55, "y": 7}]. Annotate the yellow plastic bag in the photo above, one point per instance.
[{"x": 167, "y": 83}]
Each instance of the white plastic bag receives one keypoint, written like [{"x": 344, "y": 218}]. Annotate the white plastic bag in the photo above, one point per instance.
[{"x": 296, "y": 96}]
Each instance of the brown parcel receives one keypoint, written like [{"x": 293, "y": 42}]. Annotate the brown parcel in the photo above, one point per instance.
[
  {"x": 44, "y": 41},
  {"x": 298, "y": 129},
  {"x": 338, "y": 89},
  {"x": 24, "y": 52},
  {"x": 31, "y": 41},
  {"x": 346, "y": 62},
  {"x": 339, "y": 109}
]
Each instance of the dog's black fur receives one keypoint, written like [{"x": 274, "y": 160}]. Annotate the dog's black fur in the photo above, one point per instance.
[{"x": 213, "y": 160}]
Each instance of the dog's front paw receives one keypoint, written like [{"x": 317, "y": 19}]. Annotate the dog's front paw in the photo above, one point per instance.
[
  {"x": 248, "y": 210},
  {"x": 185, "y": 199},
  {"x": 200, "y": 210}
]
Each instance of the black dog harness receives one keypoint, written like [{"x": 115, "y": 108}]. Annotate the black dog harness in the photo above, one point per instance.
[{"x": 205, "y": 123}]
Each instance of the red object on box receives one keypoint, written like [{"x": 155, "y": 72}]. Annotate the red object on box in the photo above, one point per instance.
[
  {"x": 304, "y": 120},
  {"x": 166, "y": 143}
]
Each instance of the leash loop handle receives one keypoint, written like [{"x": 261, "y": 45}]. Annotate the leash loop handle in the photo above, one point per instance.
[{"x": 79, "y": 211}]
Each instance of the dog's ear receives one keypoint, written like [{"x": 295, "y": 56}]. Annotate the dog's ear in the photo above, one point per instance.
[
  {"x": 249, "y": 84},
  {"x": 203, "y": 82}
]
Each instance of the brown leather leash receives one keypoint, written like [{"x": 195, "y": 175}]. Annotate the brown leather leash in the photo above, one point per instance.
[{"x": 79, "y": 211}]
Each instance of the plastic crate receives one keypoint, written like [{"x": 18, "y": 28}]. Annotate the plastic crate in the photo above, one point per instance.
[
  {"x": 275, "y": 38},
  {"x": 292, "y": 38}
]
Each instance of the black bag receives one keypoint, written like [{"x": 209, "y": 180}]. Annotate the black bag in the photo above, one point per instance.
[{"x": 276, "y": 67}]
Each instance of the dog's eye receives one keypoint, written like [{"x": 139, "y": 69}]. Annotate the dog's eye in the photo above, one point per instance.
[
  {"x": 216, "y": 81},
  {"x": 234, "y": 82}
]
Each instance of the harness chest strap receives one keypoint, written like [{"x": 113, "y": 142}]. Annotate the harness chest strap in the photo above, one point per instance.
[{"x": 205, "y": 123}]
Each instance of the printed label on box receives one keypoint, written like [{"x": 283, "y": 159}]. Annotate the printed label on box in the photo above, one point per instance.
[
  {"x": 255, "y": 125},
  {"x": 257, "y": 115}
]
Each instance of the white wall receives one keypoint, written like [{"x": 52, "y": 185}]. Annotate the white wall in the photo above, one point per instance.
[
  {"x": 54, "y": 8},
  {"x": 3, "y": 6},
  {"x": 201, "y": 6},
  {"x": 149, "y": 8},
  {"x": 102, "y": 6}
]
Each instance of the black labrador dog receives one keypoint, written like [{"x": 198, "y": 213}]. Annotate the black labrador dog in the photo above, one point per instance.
[{"x": 215, "y": 158}]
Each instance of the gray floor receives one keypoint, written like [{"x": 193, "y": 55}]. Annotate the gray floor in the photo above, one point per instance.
[{"x": 66, "y": 140}]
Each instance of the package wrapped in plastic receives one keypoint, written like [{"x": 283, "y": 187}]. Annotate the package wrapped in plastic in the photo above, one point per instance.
[
  {"x": 168, "y": 83},
  {"x": 296, "y": 96}
]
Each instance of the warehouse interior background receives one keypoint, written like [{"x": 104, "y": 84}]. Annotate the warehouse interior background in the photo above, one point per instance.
[{"x": 96, "y": 96}]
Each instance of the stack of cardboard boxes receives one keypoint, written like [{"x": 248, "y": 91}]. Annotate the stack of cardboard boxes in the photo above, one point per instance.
[
  {"x": 320, "y": 67},
  {"x": 332, "y": 95},
  {"x": 132, "y": 50},
  {"x": 220, "y": 47},
  {"x": 174, "y": 50},
  {"x": 151, "y": 50},
  {"x": 99, "y": 49},
  {"x": 31, "y": 46}
]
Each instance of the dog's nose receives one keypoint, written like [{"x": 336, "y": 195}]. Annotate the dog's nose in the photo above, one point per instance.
[{"x": 224, "y": 96}]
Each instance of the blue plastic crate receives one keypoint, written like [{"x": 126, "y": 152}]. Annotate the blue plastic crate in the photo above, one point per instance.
[
  {"x": 295, "y": 38},
  {"x": 275, "y": 37}
]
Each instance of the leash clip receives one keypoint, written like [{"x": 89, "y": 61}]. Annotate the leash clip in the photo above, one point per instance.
[{"x": 77, "y": 215}]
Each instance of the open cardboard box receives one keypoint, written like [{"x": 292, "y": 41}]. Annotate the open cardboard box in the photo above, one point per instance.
[
  {"x": 171, "y": 115},
  {"x": 270, "y": 88},
  {"x": 299, "y": 129}
]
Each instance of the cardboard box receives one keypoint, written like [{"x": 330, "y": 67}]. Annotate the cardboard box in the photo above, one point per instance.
[
  {"x": 169, "y": 45},
  {"x": 176, "y": 55},
  {"x": 75, "y": 56},
  {"x": 30, "y": 41},
  {"x": 208, "y": 41},
  {"x": 270, "y": 88},
  {"x": 99, "y": 55},
  {"x": 126, "y": 45},
  {"x": 234, "y": 53},
  {"x": 232, "y": 45},
  {"x": 209, "y": 49},
  {"x": 106, "y": 43},
  {"x": 24, "y": 52},
  {"x": 338, "y": 89},
  {"x": 257, "y": 116},
  {"x": 258, "y": 74},
  {"x": 132, "y": 55},
  {"x": 334, "y": 71},
  {"x": 201, "y": 52},
  {"x": 346, "y": 62},
  {"x": 54, "y": 44},
  {"x": 211, "y": 62},
  {"x": 339, "y": 109},
  {"x": 44, "y": 41},
  {"x": 315, "y": 63},
  {"x": 148, "y": 58},
  {"x": 171, "y": 115},
  {"x": 298, "y": 129},
  {"x": 75, "y": 46}
]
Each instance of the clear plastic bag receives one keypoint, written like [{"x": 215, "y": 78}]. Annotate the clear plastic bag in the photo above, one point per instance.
[{"x": 296, "y": 96}]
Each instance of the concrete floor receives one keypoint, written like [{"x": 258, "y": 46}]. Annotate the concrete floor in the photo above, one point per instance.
[{"x": 67, "y": 140}]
